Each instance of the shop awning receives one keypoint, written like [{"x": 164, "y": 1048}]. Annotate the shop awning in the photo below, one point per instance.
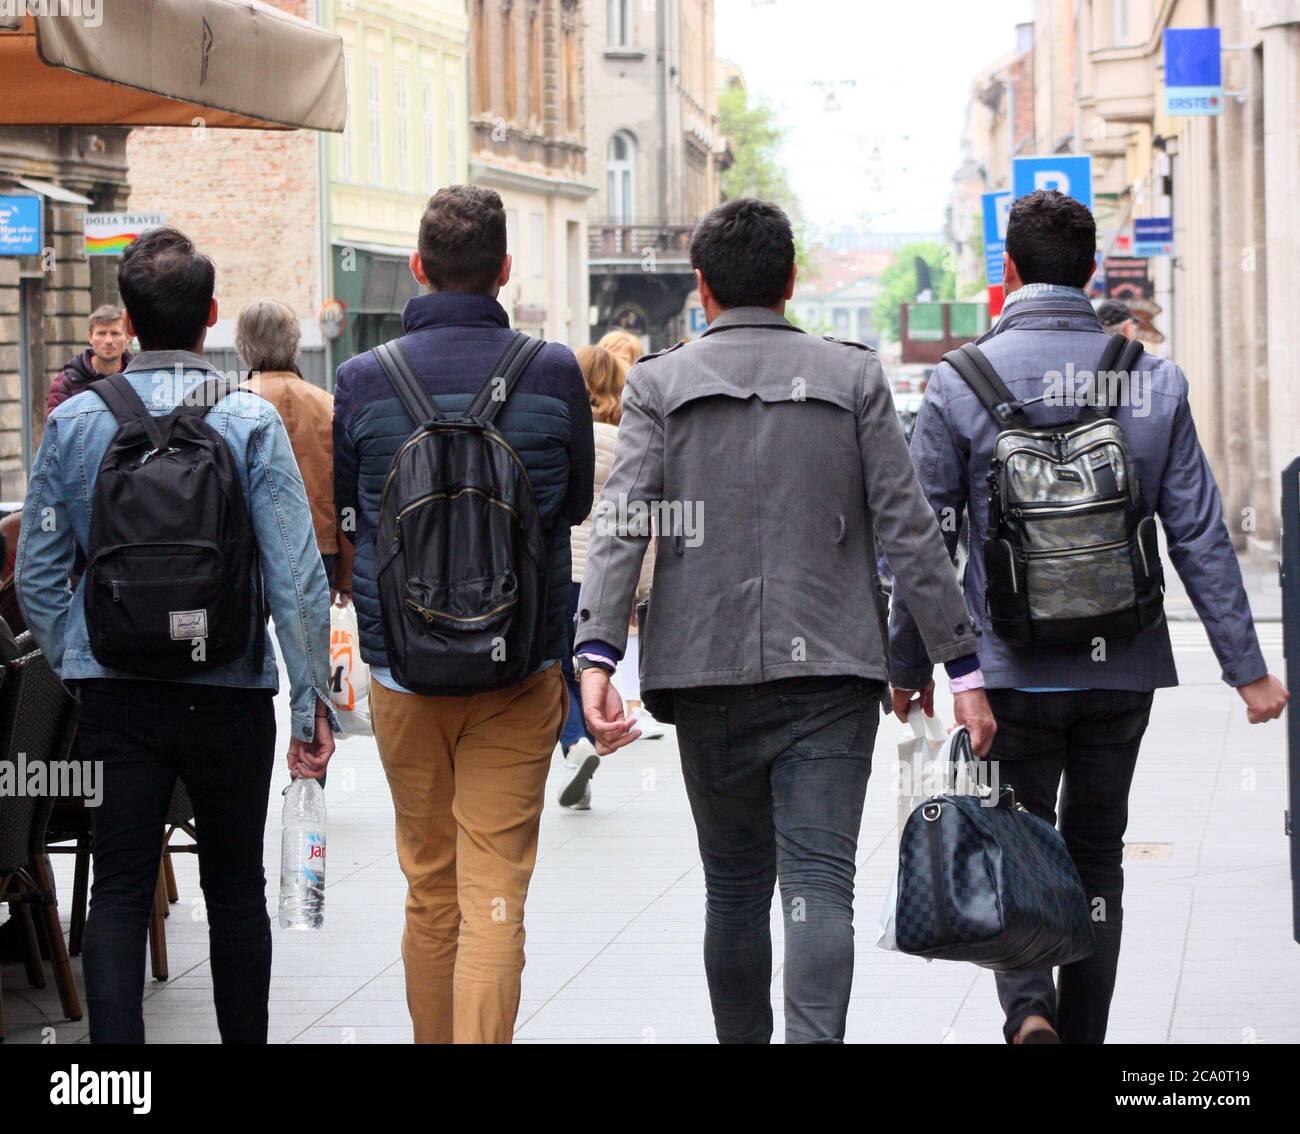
[{"x": 230, "y": 63}]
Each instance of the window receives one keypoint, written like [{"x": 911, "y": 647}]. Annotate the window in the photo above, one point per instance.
[
  {"x": 453, "y": 140},
  {"x": 1121, "y": 21},
  {"x": 346, "y": 141},
  {"x": 376, "y": 126},
  {"x": 512, "y": 236},
  {"x": 403, "y": 133},
  {"x": 621, "y": 178},
  {"x": 538, "y": 249},
  {"x": 426, "y": 112},
  {"x": 620, "y": 23}
]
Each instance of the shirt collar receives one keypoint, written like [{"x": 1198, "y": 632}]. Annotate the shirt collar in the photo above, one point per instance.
[
  {"x": 440, "y": 308},
  {"x": 167, "y": 360},
  {"x": 749, "y": 317},
  {"x": 1044, "y": 291}
]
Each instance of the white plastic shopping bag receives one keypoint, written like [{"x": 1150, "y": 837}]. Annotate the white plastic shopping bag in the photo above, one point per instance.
[
  {"x": 921, "y": 772},
  {"x": 349, "y": 675}
]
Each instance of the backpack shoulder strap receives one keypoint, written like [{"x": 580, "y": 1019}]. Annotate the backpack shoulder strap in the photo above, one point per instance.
[
  {"x": 202, "y": 397},
  {"x": 977, "y": 372},
  {"x": 504, "y": 376},
  {"x": 410, "y": 390},
  {"x": 126, "y": 405},
  {"x": 1119, "y": 357}
]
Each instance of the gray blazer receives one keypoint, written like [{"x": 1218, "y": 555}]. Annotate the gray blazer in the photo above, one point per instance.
[
  {"x": 771, "y": 455},
  {"x": 953, "y": 444}
]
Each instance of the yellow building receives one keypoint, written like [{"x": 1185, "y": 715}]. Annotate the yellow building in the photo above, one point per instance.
[{"x": 408, "y": 134}]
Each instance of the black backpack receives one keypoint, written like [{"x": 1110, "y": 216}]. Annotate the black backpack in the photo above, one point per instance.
[
  {"x": 1071, "y": 554},
  {"x": 172, "y": 557},
  {"x": 459, "y": 554}
]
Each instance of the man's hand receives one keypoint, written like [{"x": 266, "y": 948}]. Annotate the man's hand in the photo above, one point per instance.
[
  {"x": 308, "y": 759},
  {"x": 603, "y": 709},
  {"x": 341, "y": 598},
  {"x": 972, "y": 709},
  {"x": 904, "y": 698},
  {"x": 1265, "y": 699}
]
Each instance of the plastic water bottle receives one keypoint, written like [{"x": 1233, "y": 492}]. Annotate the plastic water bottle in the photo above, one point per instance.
[{"x": 302, "y": 856}]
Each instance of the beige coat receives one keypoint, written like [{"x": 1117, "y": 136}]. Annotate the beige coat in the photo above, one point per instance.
[{"x": 580, "y": 537}]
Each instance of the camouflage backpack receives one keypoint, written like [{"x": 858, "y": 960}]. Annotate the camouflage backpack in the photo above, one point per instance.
[{"x": 1071, "y": 554}]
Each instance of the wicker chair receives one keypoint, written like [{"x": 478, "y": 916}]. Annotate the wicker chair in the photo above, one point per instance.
[{"x": 37, "y": 720}]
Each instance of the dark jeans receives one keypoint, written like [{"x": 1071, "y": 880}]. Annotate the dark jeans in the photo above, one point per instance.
[
  {"x": 776, "y": 774},
  {"x": 575, "y": 725},
  {"x": 221, "y": 742},
  {"x": 1086, "y": 744}
]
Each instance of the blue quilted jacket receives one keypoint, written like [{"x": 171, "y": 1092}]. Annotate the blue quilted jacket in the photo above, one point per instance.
[{"x": 453, "y": 340}]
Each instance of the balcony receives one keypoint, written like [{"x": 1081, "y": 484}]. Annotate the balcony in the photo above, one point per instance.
[{"x": 615, "y": 247}]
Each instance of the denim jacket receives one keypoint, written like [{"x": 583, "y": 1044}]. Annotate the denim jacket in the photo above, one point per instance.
[{"x": 56, "y": 521}]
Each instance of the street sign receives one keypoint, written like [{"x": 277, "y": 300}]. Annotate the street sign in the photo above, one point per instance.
[
  {"x": 1193, "y": 71},
  {"x": 697, "y": 324},
  {"x": 1070, "y": 174},
  {"x": 20, "y": 226},
  {"x": 1153, "y": 236},
  {"x": 997, "y": 208},
  {"x": 108, "y": 234}
]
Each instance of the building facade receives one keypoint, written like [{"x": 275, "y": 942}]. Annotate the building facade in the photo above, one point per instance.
[
  {"x": 528, "y": 129},
  {"x": 657, "y": 156},
  {"x": 45, "y": 299}
]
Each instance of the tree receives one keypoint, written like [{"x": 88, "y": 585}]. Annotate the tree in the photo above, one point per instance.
[
  {"x": 898, "y": 281},
  {"x": 754, "y": 137}
]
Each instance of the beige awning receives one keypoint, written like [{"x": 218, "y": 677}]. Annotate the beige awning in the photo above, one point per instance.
[{"x": 231, "y": 63}]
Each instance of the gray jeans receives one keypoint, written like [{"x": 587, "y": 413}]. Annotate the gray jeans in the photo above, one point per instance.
[{"x": 776, "y": 775}]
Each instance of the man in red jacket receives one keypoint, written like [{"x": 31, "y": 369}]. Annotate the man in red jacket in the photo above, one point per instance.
[{"x": 107, "y": 355}]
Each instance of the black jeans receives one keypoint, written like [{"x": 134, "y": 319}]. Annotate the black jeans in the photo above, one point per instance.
[
  {"x": 221, "y": 742},
  {"x": 776, "y": 775},
  {"x": 1086, "y": 744}
]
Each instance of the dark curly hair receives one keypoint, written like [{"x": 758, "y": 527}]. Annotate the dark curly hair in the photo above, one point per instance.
[
  {"x": 1052, "y": 239},
  {"x": 463, "y": 238},
  {"x": 745, "y": 251}
]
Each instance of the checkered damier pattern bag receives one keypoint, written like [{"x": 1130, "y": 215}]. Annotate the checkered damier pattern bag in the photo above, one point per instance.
[{"x": 988, "y": 883}]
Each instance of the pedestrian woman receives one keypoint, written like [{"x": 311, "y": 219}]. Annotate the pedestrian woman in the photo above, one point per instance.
[
  {"x": 624, "y": 346},
  {"x": 606, "y": 375}
]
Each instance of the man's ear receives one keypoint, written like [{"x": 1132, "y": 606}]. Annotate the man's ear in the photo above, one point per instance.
[
  {"x": 212, "y": 312},
  {"x": 504, "y": 277},
  {"x": 1010, "y": 274},
  {"x": 417, "y": 270},
  {"x": 789, "y": 284},
  {"x": 130, "y": 327}
]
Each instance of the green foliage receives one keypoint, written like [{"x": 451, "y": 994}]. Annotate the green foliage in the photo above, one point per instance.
[
  {"x": 754, "y": 135},
  {"x": 898, "y": 282}
]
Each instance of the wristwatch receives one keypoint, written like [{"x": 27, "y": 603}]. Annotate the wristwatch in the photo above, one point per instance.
[{"x": 582, "y": 663}]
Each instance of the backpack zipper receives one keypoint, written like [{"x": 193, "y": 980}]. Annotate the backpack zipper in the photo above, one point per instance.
[
  {"x": 454, "y": 496},
  {"x": 430, "y": 615},
  {"x": 1018, "y": 511},
  {"x": 1090, "y": 549}
]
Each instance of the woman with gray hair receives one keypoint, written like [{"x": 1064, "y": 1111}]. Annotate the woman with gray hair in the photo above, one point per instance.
[{"x": 267, "y": 336}]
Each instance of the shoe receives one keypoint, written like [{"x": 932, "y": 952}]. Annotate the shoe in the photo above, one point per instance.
[
  {"x": 650, "y": 728},
  {"x": 580, "y": 763},
  {"x": 1037, "y": 1030}
]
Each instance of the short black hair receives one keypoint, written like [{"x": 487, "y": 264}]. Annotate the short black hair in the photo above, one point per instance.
[
  {"x": 462, "y": 239},
  {"x": 745, "y": 251},
  {"x": 1112, "y": 312},
  {"x": 1052, "y": 239},
  {"x": 166, "y": 284}
]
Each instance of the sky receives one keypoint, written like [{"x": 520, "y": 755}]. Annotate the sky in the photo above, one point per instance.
[{"x": 901, "y": 72}]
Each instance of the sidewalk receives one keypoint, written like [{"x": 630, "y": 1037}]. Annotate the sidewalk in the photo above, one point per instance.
[{"x": 615, "y": 916}]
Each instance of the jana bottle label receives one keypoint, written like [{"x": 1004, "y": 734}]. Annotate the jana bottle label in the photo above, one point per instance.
[{"x": 314, "y": 859}]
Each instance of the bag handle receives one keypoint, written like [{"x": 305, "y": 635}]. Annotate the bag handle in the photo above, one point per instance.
[
  {"x": 926, "y": 728},
  {"x": 510, "y": 367}
]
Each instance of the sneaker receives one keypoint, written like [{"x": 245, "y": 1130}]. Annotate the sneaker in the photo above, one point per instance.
[
  {"x": 650, "y": 728},
  {"x": 580, "y": 765}
]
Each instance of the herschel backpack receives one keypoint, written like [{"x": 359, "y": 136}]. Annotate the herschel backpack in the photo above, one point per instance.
[
  {"x": 1071, "y": 554},
  {"x": 459, "y": 553},
  {"x": 172, "y": 558}
]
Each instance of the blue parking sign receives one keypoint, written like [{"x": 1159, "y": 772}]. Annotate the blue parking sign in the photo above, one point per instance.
[
  {"x": 20, "y": 226},
  {"x": 1193, "y": 72},
  {"x": 1153, "y": 236},
  {"x": 997, "y": 208},
  {"x": 1070, "y": 174}
]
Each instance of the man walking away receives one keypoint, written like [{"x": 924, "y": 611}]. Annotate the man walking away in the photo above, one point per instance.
[
  {"x": 267, "y": 334},
  {"x": 214, "y": 726},
  {"x": 772, "y": 461},
  {"x": 1071, "y": 717},
  {"x": 467, "y": 773},
  {"x": 107, "y": 354}
]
